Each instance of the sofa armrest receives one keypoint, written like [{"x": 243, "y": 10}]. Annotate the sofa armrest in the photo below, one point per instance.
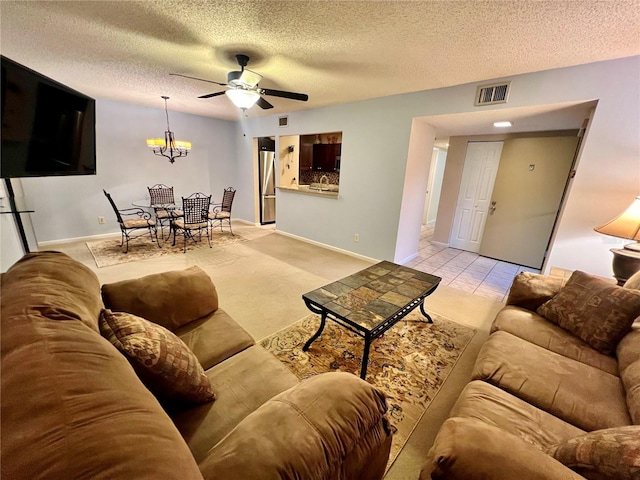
[
  {"x": 468, "y": 448},
  {"x": 530, "y": 290},
  {"x": 331, "y": 425}
]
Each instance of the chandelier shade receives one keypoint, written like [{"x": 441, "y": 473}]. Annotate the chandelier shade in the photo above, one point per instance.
[
  {"x": 243, "y": 99},
  {"x": 168, "y": 146}
]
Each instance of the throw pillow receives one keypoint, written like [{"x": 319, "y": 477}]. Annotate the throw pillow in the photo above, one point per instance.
[
  {"x": 602, "y": 454},
  {"x": 163, "y": 362},
  {"x": 594, "y": 310},
  {"x": 530, "y": 290}
]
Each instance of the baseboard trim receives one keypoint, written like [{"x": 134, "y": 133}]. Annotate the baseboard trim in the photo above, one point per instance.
[
  {"x": 440, "y": 244},
  {"x": 102, "y": 236},
  {"x": 408, "y": 259},
  {"x": 328, "y": 247}
]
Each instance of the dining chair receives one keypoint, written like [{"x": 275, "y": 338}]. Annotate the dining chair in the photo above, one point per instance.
[
  {"x": 195, "y": 209},
  {"x": 132, "y": 220},
  {"x": 222, "y": 211},
  {"x": 163, "y": 204}
]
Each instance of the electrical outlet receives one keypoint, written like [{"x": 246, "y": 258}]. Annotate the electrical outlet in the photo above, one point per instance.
[
  {"x": 101, "y": 220},
  {"x": 356, "y": 237}
]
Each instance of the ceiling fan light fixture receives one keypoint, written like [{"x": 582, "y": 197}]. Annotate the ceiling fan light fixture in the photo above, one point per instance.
[{"x": 243, "y": 99}]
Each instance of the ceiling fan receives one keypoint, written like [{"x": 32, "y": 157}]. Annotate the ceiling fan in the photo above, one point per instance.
[{"x": 243, "y": 89}]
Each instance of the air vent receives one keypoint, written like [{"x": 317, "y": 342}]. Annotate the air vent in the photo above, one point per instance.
[
  {"x": 283, "y": 121},
  {"x": 492, "y": 94}
]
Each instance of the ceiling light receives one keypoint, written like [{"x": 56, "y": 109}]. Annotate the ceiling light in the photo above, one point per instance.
[
  {"x": 243, "y": 99},
  {"x": 168, "y": 146},
  {"x": 502, "y": 124}
]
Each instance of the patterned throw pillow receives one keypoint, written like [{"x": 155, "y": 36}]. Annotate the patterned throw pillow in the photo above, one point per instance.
[
  {"x": 602, "y": 454},
  {"x": 163, "y": 362},
  {"x": 594, "y": 310}
]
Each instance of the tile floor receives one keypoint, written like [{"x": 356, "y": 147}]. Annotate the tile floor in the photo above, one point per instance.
[{"x": 466, "y": 271}]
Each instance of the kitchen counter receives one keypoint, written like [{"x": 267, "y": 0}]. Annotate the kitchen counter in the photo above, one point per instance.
[{"x": 308, "y": 190}]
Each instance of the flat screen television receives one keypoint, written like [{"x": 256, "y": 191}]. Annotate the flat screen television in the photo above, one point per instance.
[{"x": 47, "y": 128}]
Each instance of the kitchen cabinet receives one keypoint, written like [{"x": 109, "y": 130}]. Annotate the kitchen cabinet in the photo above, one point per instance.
[
  {"x": 326, "y": 157},
  {"x": 306, "y": 157}
]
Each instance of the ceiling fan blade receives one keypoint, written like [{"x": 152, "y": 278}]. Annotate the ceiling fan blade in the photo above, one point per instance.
[
  {"x": 209, "y": 95},
  {"x": 262, "y": 103},
  {"x": 280, "y": 93},
  {"x": 196, "y": 78}
]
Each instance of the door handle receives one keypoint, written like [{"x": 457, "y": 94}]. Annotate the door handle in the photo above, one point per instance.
[{"x": 492, "y": 208}]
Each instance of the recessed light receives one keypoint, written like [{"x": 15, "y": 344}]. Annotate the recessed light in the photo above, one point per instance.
[{"x": 502, "y": 124}]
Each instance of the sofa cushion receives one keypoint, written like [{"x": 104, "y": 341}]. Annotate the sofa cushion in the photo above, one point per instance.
[
  {"x": 163, "y": 362},
  {"x": 630, "y": 377},
  {"x": 580, "y": 394},
  {"x": 602, "y": 454},
  {"x": 214, "y": 338},
  {"x": 170, "y": 299},
  {"x": 55, "y": 286},
  {"x": 334, "y": 429},
  {"x": 242, "y": 383},
  {"x": 633, "y": 281},
  {"x": 530, "y": 290},
  {"x": 628, "y": 350},
  {"x": 533, "y": 328},
  {"x": 594, "y": 310},
  {"x": 466, "y": 448},
  {"x": 493, "y": 406}
]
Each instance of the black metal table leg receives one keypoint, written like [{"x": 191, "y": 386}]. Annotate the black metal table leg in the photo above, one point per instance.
[
  {"x": 429, "y": 319},
  {"x": 365, "y": 357},
  {"x": 317, "y": 334}
]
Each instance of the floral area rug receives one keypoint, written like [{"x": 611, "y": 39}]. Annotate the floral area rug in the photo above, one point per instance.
[
  {"x": 409, "y": 362},
  {"x": 109, "y": 252}
]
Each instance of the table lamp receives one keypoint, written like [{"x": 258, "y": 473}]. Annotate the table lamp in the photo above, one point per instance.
[{"x": 626, "y": 261}]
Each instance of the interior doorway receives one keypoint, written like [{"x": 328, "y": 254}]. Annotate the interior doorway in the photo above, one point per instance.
[{"x": 434, "y": 186}]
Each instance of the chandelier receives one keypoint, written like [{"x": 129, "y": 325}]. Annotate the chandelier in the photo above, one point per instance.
[{"x": 168, "y": 146}]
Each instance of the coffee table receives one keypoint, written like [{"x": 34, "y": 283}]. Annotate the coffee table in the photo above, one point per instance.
[{"x": 371, "y": 301}]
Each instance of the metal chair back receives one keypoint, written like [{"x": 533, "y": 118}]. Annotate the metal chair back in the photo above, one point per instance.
[
  {"x": 227, "y": 199},
  {"x": 195, "y": 208},
  {"x": 113, "y": 205},
  {"x": 161, "y": 195}
]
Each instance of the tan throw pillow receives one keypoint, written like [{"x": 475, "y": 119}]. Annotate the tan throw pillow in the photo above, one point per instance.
[
  {"x": 602, "y": 454},
  {"x": 162, "y": 361},
  {"x": 594, "y": 310},
  {"x": 530, "y": 290}
]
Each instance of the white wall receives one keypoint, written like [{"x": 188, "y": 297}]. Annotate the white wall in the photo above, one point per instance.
[
  {"x": 376, "y": 145},
  {"x": 68, "y": 207}
]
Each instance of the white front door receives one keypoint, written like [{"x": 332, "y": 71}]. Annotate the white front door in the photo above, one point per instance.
[{"x": 478, "y": 176}]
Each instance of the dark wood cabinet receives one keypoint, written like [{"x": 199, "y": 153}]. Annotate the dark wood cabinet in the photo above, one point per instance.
[
  {"x": 326, "y": 157},
  {"x": 306, "y": 157}
]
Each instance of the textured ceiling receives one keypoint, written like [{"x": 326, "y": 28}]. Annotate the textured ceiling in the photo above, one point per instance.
[{"x": 335, "y": 52}]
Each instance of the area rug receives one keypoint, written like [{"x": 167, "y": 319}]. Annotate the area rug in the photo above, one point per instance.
[
  {"x": 109, "y": 252},
  {"x": 409, "y": 362}
]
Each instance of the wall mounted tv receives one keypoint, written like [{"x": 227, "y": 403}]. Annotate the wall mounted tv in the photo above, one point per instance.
[{"x": 47, "y": 128}]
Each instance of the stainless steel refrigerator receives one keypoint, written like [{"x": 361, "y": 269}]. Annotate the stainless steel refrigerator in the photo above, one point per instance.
[{"x": 267, "y": 171}]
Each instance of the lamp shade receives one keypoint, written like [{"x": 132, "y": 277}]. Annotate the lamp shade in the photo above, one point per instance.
[
  {"x": 243, "y": 98},
  {"x": 625, "y": 225}
]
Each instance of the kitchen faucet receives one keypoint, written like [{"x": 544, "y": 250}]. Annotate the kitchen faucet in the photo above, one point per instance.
[{"x": 324, "y": 177}]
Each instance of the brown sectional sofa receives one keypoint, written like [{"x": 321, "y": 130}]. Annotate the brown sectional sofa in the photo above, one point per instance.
[
  {"x": 543, "y": 403},
  {"x": 73, "y": 406}
]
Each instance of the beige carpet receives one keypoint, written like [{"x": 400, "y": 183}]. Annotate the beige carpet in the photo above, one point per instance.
[
  {"x": 410, "y": 362},
  {"x": 109, "y": 252}
]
